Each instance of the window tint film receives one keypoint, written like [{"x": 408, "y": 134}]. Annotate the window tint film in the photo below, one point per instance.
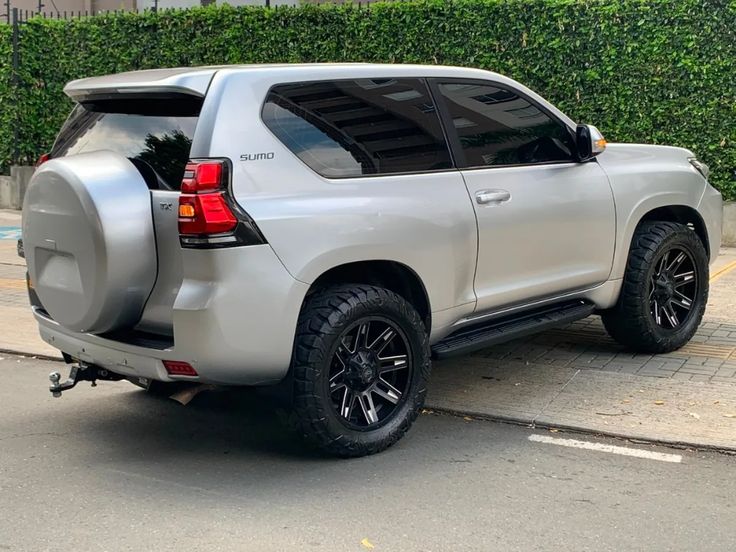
[
  {"x": 156, "y": 135},
  {"x": 498, "y": 127},
  {"x": 359, "y": 127}
]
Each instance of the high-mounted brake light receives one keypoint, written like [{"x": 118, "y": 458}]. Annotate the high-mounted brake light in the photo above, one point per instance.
[{"x": 208, "y": 217}]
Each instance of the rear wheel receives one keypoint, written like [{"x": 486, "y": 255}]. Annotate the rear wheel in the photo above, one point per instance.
[
  {"x": 361, "y": 365},
  {"x": 664, "y": 292}
]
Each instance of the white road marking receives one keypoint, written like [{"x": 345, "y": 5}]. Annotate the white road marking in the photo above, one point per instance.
[{"x": 600, "y": 447}]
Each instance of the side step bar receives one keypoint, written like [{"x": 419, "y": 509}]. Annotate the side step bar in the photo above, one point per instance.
[{"x": 499, "y": 330}]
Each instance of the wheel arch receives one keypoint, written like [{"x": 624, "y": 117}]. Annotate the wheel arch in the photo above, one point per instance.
[
  {"x": 392, "y": 275},
  {"x": 682, "y": 214}
]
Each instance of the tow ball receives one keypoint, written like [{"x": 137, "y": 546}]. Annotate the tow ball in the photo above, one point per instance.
[{"x": 80, "y": 372}]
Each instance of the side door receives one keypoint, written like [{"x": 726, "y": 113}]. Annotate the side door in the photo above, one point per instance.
[{"x": 546, "y": 223}]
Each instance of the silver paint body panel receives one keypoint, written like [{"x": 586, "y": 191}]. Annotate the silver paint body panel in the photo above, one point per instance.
[
  {"x": 555, "y": 234},
  {"x": 564, "y": 233}
]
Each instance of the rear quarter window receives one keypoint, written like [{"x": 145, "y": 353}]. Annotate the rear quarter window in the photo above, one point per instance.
[
  {"x": 155, "y": 134},
  {"x": 359, "y": 127}
]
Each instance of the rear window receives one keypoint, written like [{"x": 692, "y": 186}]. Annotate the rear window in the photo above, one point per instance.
[
  {"x": 359, "y": 127},
  {"x": 155, "y": 134}
]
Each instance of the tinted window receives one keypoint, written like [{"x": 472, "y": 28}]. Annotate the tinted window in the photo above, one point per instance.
[
  {"x": 357, "y": 127},
  {"x": 155, "y": 135},
  {"x": 498, "y": 127}
]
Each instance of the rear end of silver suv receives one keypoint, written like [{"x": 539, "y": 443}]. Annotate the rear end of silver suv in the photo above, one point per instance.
[{"x": 141, "y": 261}]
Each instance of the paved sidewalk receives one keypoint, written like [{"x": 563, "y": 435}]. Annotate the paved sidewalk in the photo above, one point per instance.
[
  {"x": 569, "y": 378},
  {"x": 18, "y": 331},
  {"x": 579, "y": 378},
  {"x": 576, "y": 378}
]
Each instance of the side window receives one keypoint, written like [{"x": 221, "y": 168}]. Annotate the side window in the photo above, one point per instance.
[
  {"x": 499, "y": 127},
  {"x": 359, "y": 127}
]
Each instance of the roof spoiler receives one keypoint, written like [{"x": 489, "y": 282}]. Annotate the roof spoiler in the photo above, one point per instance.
[{"x": 188, "y": 81}]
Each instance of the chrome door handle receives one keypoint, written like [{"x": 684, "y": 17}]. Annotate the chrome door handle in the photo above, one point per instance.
[{"x": 484, "y": 197}]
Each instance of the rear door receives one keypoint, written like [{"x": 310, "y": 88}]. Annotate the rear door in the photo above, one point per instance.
[
  {"x": 155, "y": 133},
  {"x": 546, "y": 224}
]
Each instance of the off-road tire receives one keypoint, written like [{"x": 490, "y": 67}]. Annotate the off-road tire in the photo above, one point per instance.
[
  {"x": 630, "y": 322},
  {"x": 325, "y": 316}
]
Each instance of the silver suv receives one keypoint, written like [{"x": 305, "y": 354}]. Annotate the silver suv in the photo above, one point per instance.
[{"x": 334, "y": 227}]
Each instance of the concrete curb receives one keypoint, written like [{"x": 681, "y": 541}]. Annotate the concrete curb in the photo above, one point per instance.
[
  {"x": 678, "y": 413},
  {"x": 584, "y": 430},
  {"x": 39, "y": 356}
]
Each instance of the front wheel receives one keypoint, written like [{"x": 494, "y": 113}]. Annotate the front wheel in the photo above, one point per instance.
[
  {"x": 664, "y": 292},
  {"x": 360, "y": 365}
]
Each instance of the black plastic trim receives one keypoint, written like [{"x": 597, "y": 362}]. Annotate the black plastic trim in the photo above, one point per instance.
[
  {"x": 139, "y": 338},
  {"x": 500, "y": 330},
  {"x": 32, "y": 295}
]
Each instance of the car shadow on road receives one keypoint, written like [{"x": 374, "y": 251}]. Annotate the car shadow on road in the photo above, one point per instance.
[
  {"x": 227, "y": 421},
  {"x": 230, "y": 443}
]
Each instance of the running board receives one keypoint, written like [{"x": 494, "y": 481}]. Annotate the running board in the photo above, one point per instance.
[{"x": 499, "y": 330}]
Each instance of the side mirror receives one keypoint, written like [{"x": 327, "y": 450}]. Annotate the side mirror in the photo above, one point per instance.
[{"x": 590, "y": 142}]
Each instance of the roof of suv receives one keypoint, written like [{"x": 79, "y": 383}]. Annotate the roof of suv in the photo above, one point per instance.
[{"x": 195, "y": 80}]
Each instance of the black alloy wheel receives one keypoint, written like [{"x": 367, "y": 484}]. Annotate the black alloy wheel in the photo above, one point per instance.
[
  {"x": 673, "y": 287},
  {"x": 370, "y": 372}
]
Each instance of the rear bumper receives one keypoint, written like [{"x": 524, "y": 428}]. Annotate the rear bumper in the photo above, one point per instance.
[{"x": 234, "y": 320}]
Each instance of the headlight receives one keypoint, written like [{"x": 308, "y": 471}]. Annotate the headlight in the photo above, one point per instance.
[{"x": 700, "y": 166}]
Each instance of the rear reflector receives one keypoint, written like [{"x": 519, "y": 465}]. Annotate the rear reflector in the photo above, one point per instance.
[
  {"x": 205, "y": 214},
  {"x": 178, "y": 368}
]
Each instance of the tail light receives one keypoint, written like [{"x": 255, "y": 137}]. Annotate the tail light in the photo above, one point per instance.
[
  {"x": 207, "y": 215},
  {"x": 41, "y": 160},
  {"x": 206, "y": 176}
]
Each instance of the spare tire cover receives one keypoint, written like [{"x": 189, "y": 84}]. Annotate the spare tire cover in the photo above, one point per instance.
[{"x": 89, "y": 241}]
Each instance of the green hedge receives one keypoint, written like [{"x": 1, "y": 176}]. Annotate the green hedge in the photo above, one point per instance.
[
  {"x": 7, "y": 105},
  {"x": 655, "y": 71}
]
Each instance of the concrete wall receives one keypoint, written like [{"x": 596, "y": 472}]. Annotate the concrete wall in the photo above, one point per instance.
[
  {"x": 7, "y": 188},
  {"x": 13, "y": 187},
  {"x": 94, "y": 6},
  {"x": 91, "y": 6},
  {"x": 258, "y": 2},
  {"x": 729, "y": 224}
]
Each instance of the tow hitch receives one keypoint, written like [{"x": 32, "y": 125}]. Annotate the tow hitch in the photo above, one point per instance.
[{"x": 80, "y": 372}]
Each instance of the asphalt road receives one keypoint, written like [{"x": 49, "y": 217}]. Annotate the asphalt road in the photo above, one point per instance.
[{"x": 113, "y": 468}]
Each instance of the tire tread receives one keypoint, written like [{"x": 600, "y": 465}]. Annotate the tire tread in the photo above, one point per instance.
[
  {"x": 318, "y": 321},
  {"x": 626, "y": 322}
]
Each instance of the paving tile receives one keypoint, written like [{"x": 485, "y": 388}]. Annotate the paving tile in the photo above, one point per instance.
[
  {"x": 698, "y": 371},
  {"x": 726, "y": 373}
]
